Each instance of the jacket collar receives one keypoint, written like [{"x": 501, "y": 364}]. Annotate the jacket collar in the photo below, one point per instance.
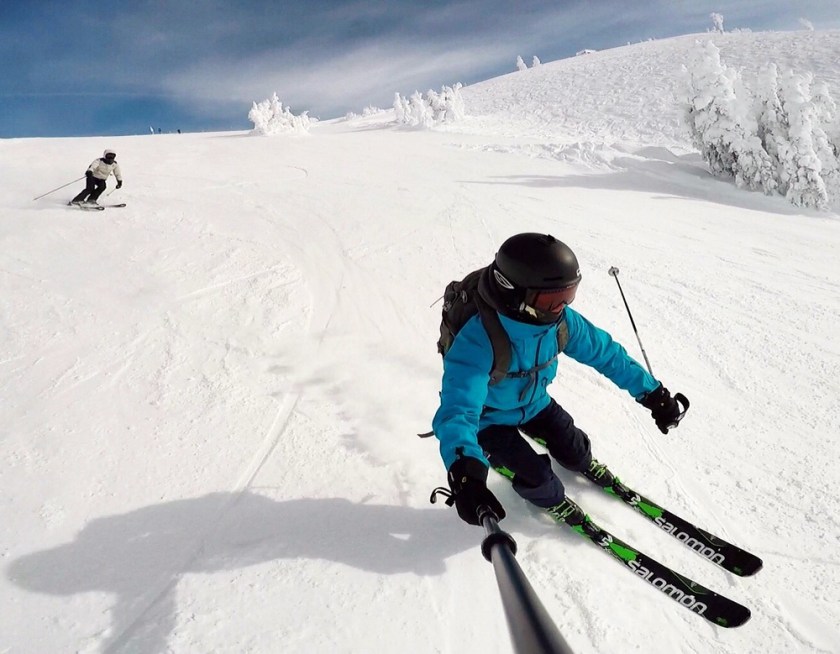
[{"x": 517, "y": 329}]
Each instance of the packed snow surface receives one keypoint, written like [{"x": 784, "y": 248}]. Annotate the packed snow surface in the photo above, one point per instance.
[{"x": 209, "y": 398}]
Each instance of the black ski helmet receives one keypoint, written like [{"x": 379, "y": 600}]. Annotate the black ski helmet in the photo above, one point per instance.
[{"x": 535, "y": 276}]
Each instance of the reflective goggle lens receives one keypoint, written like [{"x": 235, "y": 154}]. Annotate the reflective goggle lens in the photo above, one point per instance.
[{"x": 552, "y": 300}]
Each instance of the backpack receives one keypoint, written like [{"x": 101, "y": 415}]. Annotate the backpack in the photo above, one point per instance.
[{"x": 461, "y": 301}]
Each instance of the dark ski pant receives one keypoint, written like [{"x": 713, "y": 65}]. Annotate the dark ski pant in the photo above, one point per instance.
[
  {"x": 93, "y": 189},
  {"x": 533, "y": 477}
]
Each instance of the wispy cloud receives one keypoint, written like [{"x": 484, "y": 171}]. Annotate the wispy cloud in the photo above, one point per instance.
[
  {"x": 329, "y": 74},
  {"x": 213, "y": 58},
  {"x": 355, "y": 77}
]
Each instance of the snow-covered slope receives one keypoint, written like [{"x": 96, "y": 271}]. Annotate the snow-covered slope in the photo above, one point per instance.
[
  {"x": 208, "y": 399},
  {"x": 628, "y": 94}
]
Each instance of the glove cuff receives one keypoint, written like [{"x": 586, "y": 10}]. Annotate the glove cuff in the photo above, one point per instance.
[{"x": 654, "y": 398}]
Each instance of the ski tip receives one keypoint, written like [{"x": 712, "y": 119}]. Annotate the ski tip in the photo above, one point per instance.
[
  {"x": 747, "y": 567},
  {"x": 736, "y": 619}
]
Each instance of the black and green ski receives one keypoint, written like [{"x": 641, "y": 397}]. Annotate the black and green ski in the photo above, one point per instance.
[
  {"x": 715, "y": 608},
  {"x": 728, "y": 556}
]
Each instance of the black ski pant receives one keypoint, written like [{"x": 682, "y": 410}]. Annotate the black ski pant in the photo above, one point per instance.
[
  {"x": 93, "y": 189},
  {"x": 533, "y": 477}
]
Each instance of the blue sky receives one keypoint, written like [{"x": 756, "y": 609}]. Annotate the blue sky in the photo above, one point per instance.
[{"x": 74, "y": 68}]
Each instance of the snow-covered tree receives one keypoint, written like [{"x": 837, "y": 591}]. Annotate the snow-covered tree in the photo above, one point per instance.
[
  {"x": 801, "y": 168},
  {"x": 784, "y": 137},
  {"x": 535, "y": 62},
  {"x": 827, "y": 138},
  {"x": 771, "y": 120},
  {"x": 520, "y": 65},
  {"x": 717, "y": 22},
  {"x": 827, "y": 114},
  {"x": 722, "y": 126},
  {"x": 371, "y": 110},
  {"x": 367, "y": 112},
  {"x": 433, "y": 109},
  {"x": 271, "y": 117},
  {"x": 807, "y": 24}
]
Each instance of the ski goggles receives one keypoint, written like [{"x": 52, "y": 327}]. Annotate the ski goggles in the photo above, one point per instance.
[{"x": 550, "y": 301}]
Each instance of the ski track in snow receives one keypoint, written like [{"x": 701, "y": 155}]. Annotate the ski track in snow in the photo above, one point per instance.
[{"x": 266, "y": 449}]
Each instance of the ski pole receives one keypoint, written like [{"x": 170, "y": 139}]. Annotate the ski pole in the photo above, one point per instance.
[
  {"x": 681, "y": 399},
  {"x": 614, "y": 273},
  {"x": 59, "y": 188}
]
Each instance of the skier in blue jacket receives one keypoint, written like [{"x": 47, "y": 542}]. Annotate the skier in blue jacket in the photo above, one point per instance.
[{"x": 530, "y": 284}]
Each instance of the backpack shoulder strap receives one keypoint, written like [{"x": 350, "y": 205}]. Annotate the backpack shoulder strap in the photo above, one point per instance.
[
  {"x": 498, "y": 339},
  {"x": 562, "y": 335}
]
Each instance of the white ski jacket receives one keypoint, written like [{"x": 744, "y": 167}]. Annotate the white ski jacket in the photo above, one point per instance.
[{"x": 102, "y": 170}]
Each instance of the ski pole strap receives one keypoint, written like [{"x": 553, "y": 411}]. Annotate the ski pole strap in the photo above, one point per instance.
[
  {"x": 682, "y": 400},
  {"x": 444, "y": 492}
]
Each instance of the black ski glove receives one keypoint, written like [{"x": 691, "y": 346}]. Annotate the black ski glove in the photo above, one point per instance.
[
  {"x": 468, "y": 481},
  {"x": 119, "y": 184},
  {"x": 665, "y": 409},
  {"x": 88, "y": 173}
]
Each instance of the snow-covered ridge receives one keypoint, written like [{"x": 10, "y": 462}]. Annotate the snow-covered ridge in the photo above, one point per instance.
[{"x": 630, "y": 93}]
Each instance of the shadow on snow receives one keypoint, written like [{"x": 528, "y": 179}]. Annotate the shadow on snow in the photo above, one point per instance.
[{"x": 139, "y": 556}]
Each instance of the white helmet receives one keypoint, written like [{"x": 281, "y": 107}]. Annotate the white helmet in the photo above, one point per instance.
[{"x": 109, "y": 153}]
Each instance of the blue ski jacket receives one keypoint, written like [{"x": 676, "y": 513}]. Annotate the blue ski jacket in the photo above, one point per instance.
[{"x": 468, "y": 403}]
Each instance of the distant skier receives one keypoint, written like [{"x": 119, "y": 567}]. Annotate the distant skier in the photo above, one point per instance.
[
  {"x": 99, "y": 171},
  {"x": 483, "y": 410}
]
